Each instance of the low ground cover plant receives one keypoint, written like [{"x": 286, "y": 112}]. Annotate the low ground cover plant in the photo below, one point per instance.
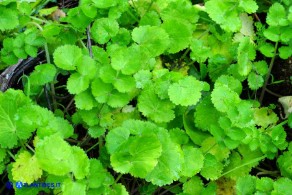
[{"x": 145, "y": 97}]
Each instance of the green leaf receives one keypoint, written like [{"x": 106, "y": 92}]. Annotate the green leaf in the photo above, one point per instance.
[
  {"x": 117, "y": 99},
  {"x": 255, "y": 81},
  {"x": 101, "y": 90},
  {"x": 230, "y": 82},
  {"x": 84, "y": 100},
  {"x": 212, "y": 167},
  {"x": 153, "y": 107},
  {"x": 163, "y": 82},
  {"x": 285, "y": 52},
  {"x": 242, "y": 114},
  {"x": 200, "y": 51},
  {"x": 98, "y": 175},
  {"x": 8, "y": 19},
  {"x": 127, "y": 156},
  {"x": 150, "y": 18},
  {"x": 246, "y": 185},
  {"x": 276, "y": 15},
  {"x": 54, "y": 160},
  {"x": 261, "y": 67},
  {"x": 32, "y": 38},
  {"x": 180, "y": 34},
  {"x": 107, "y": 74},
  {"x": 193, "y": 161},
  {"x": 138, "y": 155},
  {"x": 105, "y": 4},
  {"x": 77, "y": 18},
  {"x": 153, "y": 39},
  {"x": 128, "y": 60},
  {"x": 79, "y": 163},
  {"x": 180, "y": 10},
  {"x": 206, "y": 114},
  {"x": 96, "y": 131},
  {"x": 7, "y": 54},
  {"x": 42, "y": 74},
  {"x": 186, "y": 92},
  {"x": 10, "y": 102},
  {"x": 273, "y": 33},
  {"x": 220, "y": 151},
  {"x": 264, "y": 184},
  {"x": 225, "y": 14},
  {"x": 77, "y": 83},
  {"x": 66, "y": 56},
  {"x": 250, "y": 6},
  {"x": 282, "y": 186},
  {"x": 278, "y": 135},
  {"x": 284, "y": 164},
  {"x": 104, "y": 29},
  {"x": 188, "y": 186},
  {"x": 224, "y": 98},
  {"x": 246, "y": 52},
  {"x": 169, "y": 163},
  {"x": 115, "y": 138},
  {"x": 124, "y": 83},
  {"x": 87, "y": 67},
  {"x": 26, "y": 168},
  {"x": 265, "y": 117},
  {"x": 88, "y": 10},
  {"x": 179, "y": 136},
  {"x": 70, "y": 187},
  {"x": 267, "y": 49},
  {"x": 142, "y": 78}
]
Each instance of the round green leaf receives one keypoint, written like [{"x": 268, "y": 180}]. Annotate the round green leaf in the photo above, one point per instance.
[{"x": 66, "y": 56}]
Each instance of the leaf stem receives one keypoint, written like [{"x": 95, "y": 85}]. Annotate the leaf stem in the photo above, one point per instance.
[
  {"x": 29, "y": 147},
  {"x": 118, "y": 178},
  {"x": 11, "y": 155},
  {"x": 96, "y": 144},
  {"x": 89, "y": 44},
  {"x": 268, "y": 74},
  {"x": 100, "y": 144}
]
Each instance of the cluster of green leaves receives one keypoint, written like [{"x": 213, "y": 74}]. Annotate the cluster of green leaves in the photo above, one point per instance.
[{"x": 153, "y": 122}]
